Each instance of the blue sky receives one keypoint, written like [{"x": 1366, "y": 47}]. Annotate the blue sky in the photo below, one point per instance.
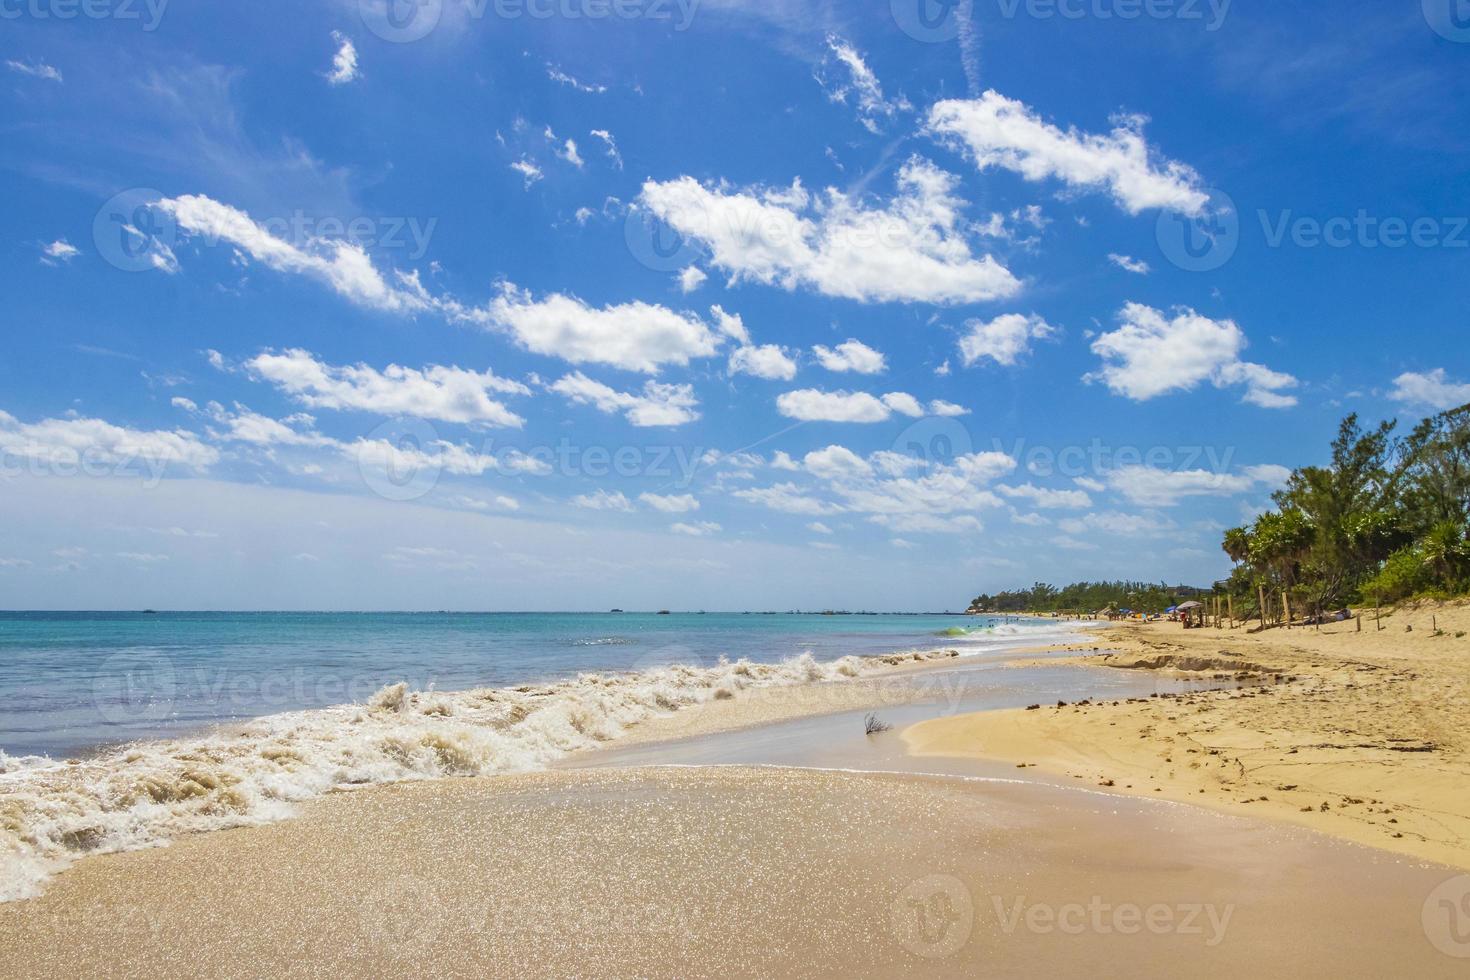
[{"x": 717, "y": 305}]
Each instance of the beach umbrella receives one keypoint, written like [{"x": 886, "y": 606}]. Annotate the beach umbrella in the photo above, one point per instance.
[{"x": 1190, "y": 605}]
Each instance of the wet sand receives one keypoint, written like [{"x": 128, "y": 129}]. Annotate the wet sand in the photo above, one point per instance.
[
  {"x": 797, "y": 847},
  {"x": 733, "y": 872}
]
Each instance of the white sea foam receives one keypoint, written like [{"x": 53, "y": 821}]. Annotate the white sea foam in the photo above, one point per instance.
[{"x": 148, "y": 793}]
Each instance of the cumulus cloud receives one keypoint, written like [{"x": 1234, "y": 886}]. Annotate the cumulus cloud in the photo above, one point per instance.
[
  {"x": 902, "y": 493},
  {"x": 1150, "y": 486},
  {"x": 913, "y": 249},
  {"x": 670, "y": 503},
  {"x": 603, "y": 500},
  {"x": 634, "y": 336},
  {"x": 813, "y": 405},
  {"x": 448, "y": 394},
  {"x": 763, "y": 361},
  {"x": 1433, "y": 390},
  {"x": 344, "y": 62},
  {"x": 852, "y": 355},
  {"x": 1152, "y": 354},
  {"x": 1001, "y": 132},
  {"x": 1004, "y": 340},
  {"x": 66, "y": 444},
  {"x": 658, "y": 405},
  {"x": 1046, "y": 498},
  {"x": 691, "y": 279}
]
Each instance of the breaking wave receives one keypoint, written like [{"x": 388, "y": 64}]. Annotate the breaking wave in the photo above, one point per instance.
[{"x": 147, "y": 793}]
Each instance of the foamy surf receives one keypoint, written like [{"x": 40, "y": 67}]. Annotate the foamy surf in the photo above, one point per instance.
[{"x": 148, "y": 793}]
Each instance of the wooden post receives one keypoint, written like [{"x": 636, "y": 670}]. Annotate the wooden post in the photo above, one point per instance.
[
  {"x": 1230, "y": 601},
  {"x": 1286, "y": 608},
  {"x": 1377, "y": 616},
  {"x": 1359, "y": 620},
  {"x": 1261, "y": 593}
]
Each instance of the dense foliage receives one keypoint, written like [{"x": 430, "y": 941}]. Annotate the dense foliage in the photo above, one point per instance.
[
  {"x": 1385, "y": 520},
  {"x": 1088, "y": 597}
]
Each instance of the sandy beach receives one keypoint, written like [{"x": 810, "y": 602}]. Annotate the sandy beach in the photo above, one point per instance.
[
  {"x": 765, "y": 835},
  {"x": 1363, "y": 735}
]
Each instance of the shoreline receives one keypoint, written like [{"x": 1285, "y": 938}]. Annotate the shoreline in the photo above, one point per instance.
[
  {"x": 142, "y": 794},
  {"x": 1363, "y": 736}
]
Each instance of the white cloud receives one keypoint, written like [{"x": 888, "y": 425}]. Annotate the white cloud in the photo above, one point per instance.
[
  {"x": 904, "y": 404},
  {"x": 557, "y": 75},
  {"x": 633, "y": 336},
  {"x": 929, "y": 523},
  {"x": 810, "y": 405},
  {"x": 603, "y": 500},
  {"x": 913, "y": 249},
  {"x": 699, "y": 529},
  {"x": 1088, "y": 483},
  {"x": 343, "y": 265},
  {"x": 59, "y": 252},
  {"x": 1152, "y": 487},
  {"x": 837, "y": 463},
  {"x": 659, "y": 405},
  {"x": 902, "y": 543},
  {"x": 1046, "y": 498},
  {"x": 782, "y": 460},
  {"x": 35, "y": 69},
  {"x": 852, "y": 355},
  {"x": 730, "y": 324},
  {"x": 1002, "y": 132},
  {"x": 611, "y": 143},
  {"x": 1152, "y": 354},
  {"x": 670, "y": 504},
  {"x": 448, "y": 394},
  {"x": 764, "y": 361},
  {"x": 1067, "y": 543},
  {"x": 691, "y": 279},
  {"x": 528, "y": 170},
  {"x": 344, "y": 62},
  {"x": 67, "y": 444},
  {"x": 1004, "y": 340},
  {"x": 1433, "y": 390},
  {"x": 817, "y": 527},
  {"x": 1129, "y": 264},
  {"x": 946, "y": 409},
  {"x": 787, "y": 498},
  {"x": 860, "y": 85},
  {"x": 570, "y": 154}
]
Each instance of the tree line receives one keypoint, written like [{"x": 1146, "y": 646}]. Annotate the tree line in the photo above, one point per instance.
[
  {"x": 1088, "y": 597},
  {"x": 1384, "y": 520}
]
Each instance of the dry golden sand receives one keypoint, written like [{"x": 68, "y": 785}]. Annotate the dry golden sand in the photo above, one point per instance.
[
  {"x": 1370, "y": 741},
  {"x": 732, "y": 872}
]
